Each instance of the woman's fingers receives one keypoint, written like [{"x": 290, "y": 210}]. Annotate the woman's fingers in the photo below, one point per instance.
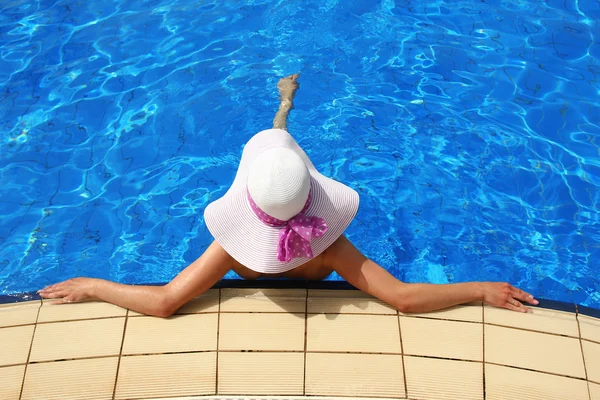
[
  {"x": 57, "y": 294},
  {"x": 516, "y": 305},
  {"x": 513, "y": 308},
  {"x": 64, "y": 300},
  {"x": 54, "y": 293},
  {"x": 523, "y": 296},
  {"x": 53, "y": 288}
]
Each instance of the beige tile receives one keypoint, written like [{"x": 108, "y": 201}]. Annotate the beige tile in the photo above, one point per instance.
[
  {"x": 438, "y": 338},
  {"x": 591, "y": 352},
  {"x": 503, "y": 383},
  {"x": 207, "y": 302},
  {"x": 354, "y": 375},
  {"x": 261, "y": 373},
  {"x": 346, "y": 302},
  {"x": 590, "y": 328},
  {"x": 541, "y": 319},
  {"x": 429, "y": 378},
  {"x": 594, "y": 391},
  {"x": 470, "y": 312},
  {"x": 177, "y": 334},
  {"x": 15, "y": 343},
  {"x": 353, "y": 333},
  {"x": 263, "y": 300},
  {"x": 11, "y": 381},
  {"x": 261, "y": 332},
  {"x": 167, "y": 375},
  {"x": 19, "y": 313},
  {"x": 87, "y": 379},
  {"x": 537, "y": 351},
  {"x": 88, "y": 338},
  {"x": 75, "y": 311}
]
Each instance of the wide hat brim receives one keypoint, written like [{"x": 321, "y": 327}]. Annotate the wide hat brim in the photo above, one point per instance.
[{"x": 248, "y": 240}]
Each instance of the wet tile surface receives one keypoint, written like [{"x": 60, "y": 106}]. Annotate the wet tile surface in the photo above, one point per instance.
[
  {"x": 70, "y": 312},
  {"x": 207, "y": 302},
  {"x": 531, "y": 350},
  {"x": 263, "y": 300},
  {"x": 471, "y": 312},
  {"x": 346, "y": 302},
  {"x": 354, "y": 375},
  {"x": 261, "y": 373},
  {"x": 550, "y": 321},
  {"x": 504, "y": 383},
  {"x": 438, "y": 338},
  {"x": 433, "y": 379}
]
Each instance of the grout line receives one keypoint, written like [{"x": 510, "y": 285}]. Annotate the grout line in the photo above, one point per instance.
[
  {"x": 307, "y": 351},
  {"x": 12, "y": 365},
  {"x": 305, "y": 341},
  {"x": 62, "y": 321},
  {"x": 30, "y": 347},
  {"x": 169, "y": 353},
  {"x": 252, "y": 352},
  {"x": 535, "y": 370},
  {"x": 589, "y": 341},
  {"x": 72, "y": 359},
  {"x": 441, "y": 358},
  {"x": 218, "y": 339},
  {"x": 402, "y": 352},
  {"x": 483, "y": 352},
  {"x": 120, "y": 355},
  {"x": 440, "y": 319},
  {"x": 582, "y": 353},
  {"x": 17, "y": 326},
  {"x": 533, "y": 331}
]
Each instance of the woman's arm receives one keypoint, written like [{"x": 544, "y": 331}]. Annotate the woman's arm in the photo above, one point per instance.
[
  {"x": 160, "y": 301},
  {"x": 369, "y": 277}
]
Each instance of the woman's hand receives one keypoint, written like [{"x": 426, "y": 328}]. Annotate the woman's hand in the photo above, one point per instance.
[
  {"x": 70, "y": 291},
  {"x": 501, "y": 294}
]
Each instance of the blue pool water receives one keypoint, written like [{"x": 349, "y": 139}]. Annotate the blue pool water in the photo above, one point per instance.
[{"x": 470, "y": 129}]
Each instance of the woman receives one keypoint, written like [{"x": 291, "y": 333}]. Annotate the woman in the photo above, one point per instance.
[{"x": 282, "y": 218}]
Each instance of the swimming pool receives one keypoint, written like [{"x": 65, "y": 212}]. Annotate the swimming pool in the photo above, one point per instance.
[{"x": 469, "y": 129}]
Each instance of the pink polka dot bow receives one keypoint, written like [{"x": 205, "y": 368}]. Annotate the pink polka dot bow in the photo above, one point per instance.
[{"x": 295, "y": 234}]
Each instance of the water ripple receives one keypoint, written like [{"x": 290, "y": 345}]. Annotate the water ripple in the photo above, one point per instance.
[{"x": 469, "y": 129}]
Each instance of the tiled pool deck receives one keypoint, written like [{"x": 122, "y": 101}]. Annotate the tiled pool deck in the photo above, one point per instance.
[{"x": 293, "y": 343}]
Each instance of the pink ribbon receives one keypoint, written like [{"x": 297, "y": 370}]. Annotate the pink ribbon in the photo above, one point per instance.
[{"x": 295, "y": 234}]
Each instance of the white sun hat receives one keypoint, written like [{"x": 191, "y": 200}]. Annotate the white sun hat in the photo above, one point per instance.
[{"x": 279, "y": 211}]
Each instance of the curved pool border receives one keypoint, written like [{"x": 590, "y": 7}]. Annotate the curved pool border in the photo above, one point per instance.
[{"x": 323, "y": 285}]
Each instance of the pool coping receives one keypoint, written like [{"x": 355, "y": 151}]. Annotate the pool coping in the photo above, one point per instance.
[
  {"x": 322, "y": 285},
  {"x": 292, "y": 336}
]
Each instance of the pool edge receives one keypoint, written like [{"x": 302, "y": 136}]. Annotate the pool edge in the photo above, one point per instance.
[{"x": 324, "y": 285}]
